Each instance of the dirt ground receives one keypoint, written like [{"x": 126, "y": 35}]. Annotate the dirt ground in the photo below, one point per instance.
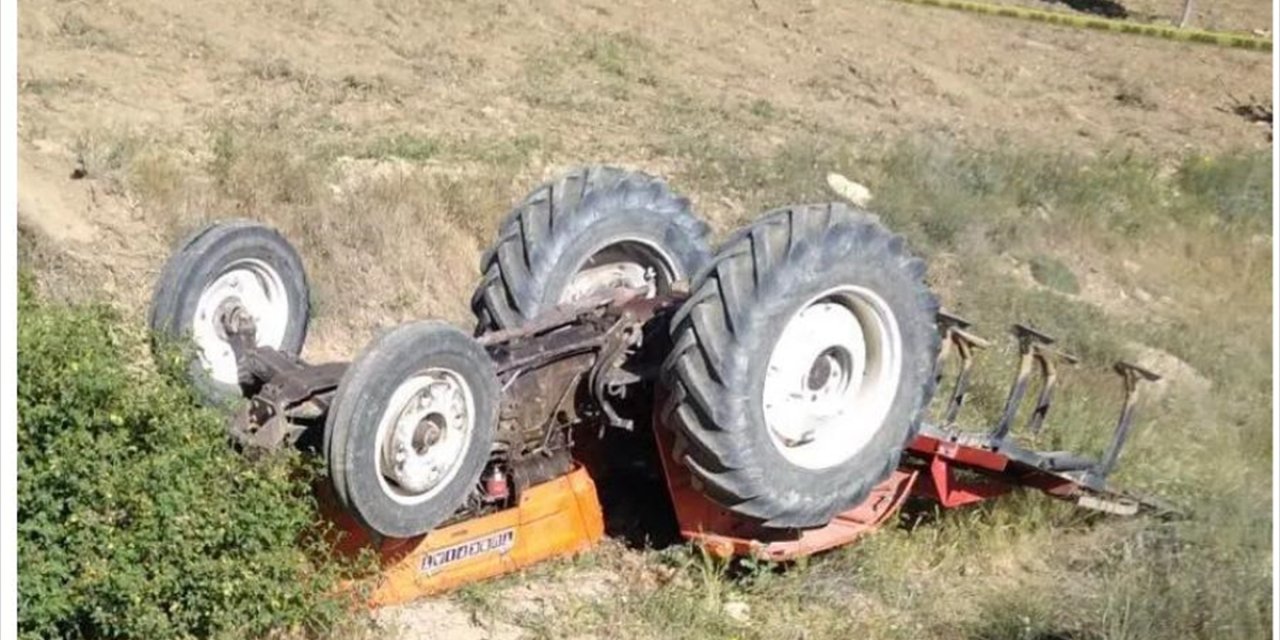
[
  {"x": 137, "y": 94},
  {"x": 875, "y": 69}
]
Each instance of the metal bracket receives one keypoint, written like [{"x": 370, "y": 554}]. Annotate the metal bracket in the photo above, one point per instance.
[
  {"x": 621, "y": 339},
  {"x": 289, "y": 393}
]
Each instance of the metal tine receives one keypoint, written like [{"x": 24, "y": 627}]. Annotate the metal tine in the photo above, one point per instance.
[
  {"x": 1047, "y": 358},
  {"x": 946, "y": 324},
  {"x": 1033, "y": 348},
  {"x": 1131, "y": 375},
  {"x": 956, "y": 336},
  {"x": 966, "y": 343}
]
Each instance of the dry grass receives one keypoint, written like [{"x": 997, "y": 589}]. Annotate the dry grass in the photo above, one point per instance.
[{"x": 391, "y": 232}]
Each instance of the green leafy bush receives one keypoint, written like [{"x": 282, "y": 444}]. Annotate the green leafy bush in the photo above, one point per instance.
[{"x": 135, "y": 519}]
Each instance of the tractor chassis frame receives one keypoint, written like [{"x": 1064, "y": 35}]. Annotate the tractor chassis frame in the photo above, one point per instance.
[{"x": 575, "y": 367}]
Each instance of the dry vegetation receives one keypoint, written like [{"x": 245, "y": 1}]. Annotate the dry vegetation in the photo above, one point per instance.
[{"x": 387, "y": 141}]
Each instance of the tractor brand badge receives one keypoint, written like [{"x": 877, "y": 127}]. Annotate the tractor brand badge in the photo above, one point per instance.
[{"x": 500, "y": 542}]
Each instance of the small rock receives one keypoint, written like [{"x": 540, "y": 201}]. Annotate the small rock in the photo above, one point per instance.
[
  {"x": 737, "y": 611},
  {"x": 1142, "y": 295},
  {"x": 1130, "y": 266},
  {"x": 80, "y": 172},
  {"x": 855, "y": 193}
]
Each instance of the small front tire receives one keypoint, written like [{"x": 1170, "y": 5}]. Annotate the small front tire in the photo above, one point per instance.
[
  {"x": 237, "y": 263},
  {"x": 411, "y": 428}
]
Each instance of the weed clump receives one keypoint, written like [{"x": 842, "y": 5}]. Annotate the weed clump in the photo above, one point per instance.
[
  {"x": 1051, "y": 273},
  {"x": 1236, "y": 187},
  {"x": 135, "y": 519}
]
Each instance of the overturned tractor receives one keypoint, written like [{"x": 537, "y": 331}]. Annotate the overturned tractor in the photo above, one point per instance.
[{"x": 776, "y": 385}]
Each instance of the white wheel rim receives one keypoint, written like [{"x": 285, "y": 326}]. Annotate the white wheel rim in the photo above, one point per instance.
[
  {"x": 423, "y": 435},
  {"x": 832, "y": 377},
  {"x": 257, "y": 288},
  {"x": 632, "y": 264}
]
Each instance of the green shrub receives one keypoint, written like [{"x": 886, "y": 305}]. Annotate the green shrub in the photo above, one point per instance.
[{"x": 135, "y": 519}]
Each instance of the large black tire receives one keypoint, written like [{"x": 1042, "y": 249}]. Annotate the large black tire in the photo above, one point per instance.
[
  {"x": 204, "y": 257},
  {"x": 565, "y": 224},
  {"x": 724, "y": 336},
  {"x": 364, "y": 397}
]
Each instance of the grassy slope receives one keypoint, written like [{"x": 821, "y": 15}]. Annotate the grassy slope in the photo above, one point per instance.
[{"x": 391, "y": 178}]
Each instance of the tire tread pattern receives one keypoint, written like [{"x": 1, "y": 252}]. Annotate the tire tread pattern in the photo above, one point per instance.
[
  {"x": 704, "y": 334},
  {"x": 533, "y": 240}
]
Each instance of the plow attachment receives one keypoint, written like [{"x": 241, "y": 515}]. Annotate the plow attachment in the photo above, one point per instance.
[{"x": 1002, "y": 463}]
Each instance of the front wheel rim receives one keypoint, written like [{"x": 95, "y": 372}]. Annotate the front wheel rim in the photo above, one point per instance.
[
  {"x": 423, "y": 435},
  {"x": 832, "y": 377},
  {"x": 254, "y": 288}
]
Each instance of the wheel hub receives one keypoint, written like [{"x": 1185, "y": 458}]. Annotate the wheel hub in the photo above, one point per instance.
[
  {"x": 830, "y": 373},
  {"x": 234, "y": 319},
  {"x": 831, "y": 377},
  {"x": 247, "y": 294},
  {"x": 423, "y": 435}
]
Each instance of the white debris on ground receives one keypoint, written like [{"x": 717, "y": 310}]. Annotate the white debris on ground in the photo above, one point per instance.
[
  {"x": 737, "y": 611},
  {"x": 855, "y": 193}
]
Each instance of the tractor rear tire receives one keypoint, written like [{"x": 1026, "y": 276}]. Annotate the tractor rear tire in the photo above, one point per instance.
[
  {"x": 231, "y": 262},
  {"x": 411, "y": 428},
  {"x": 579, "y": 235},
  {"x": 800, "y": 365}
]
